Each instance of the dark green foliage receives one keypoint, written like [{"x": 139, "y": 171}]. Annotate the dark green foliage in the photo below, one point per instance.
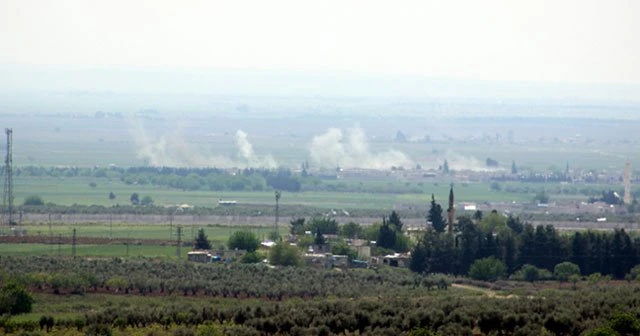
[
  {"x": 422, "y": 332},
  {"x": 351, "y": 230},
  {"x": 257, "y": 300},
  {"x": 395, "y": 222},
  {"x": 98, "y": 330},
  {"x": 434, "y": 253},
  {"x": 318, "y": 238},
  {"x": 135, "y": 199},
  {"x": 33, "y": 201},
  {"x": 608, "y": 197},
  {"x": 435, "y": 216},
  {"x": 201, "y": 241},
  {"x": 243, "y": 240},
  {"x": 46, "y": 322},
  {"x": 325, "y": 225},
  {"x": 564, "y": 270},
  {"x": 492, "y": 163},
  {"x": 602, "y": 331},
  {"x": 341, "y": 248},
  {"x": 528, "y": 273},
  {"x": 15, "y": 299},
  {"x": 284, "y": 254},
  {"x": 487, "y": 269},
  {"x": 541, "y": 197},
  {"x": 297, "y": 226},
  {"x": 625, "y": 323},
  {"x": 608, "y": 253},
  {"x": 251, "y": 258},
  {"x": 146, "y": 201},
  {"x": 445, "y": 167},
  {"x": 387, "y": 236},
  {"x": 514, "y": 224}
]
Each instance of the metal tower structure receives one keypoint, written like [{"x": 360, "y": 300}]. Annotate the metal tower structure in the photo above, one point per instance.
[
  {"x": 7, "y": 202},
  {"x": 627, "y": 183},
  {"x": 179, "y": 242}
]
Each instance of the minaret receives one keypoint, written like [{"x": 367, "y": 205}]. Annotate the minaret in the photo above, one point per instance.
[
  {"x": 451, "y": 212},
  {"x": 627, "y": 184}
]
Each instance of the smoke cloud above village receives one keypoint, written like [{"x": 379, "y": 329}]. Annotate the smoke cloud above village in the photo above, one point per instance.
[
  {"x": 350, "y": 149},
  {"x": 174, "y": 150}
]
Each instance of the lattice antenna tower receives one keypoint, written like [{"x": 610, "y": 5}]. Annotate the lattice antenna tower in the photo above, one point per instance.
[
  {"x": 7, "y": 201},
  {"x": 627, "y": 183}
]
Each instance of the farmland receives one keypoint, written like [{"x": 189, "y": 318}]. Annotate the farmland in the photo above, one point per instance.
[
  {"x": 81, "y": 172},
  {"x": 130, "y": 296}
]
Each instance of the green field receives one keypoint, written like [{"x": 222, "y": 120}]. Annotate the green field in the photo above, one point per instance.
[
  {"x": 132, "y": 231},
  {"x": 116, "y": 250},
  {"x": 76, "y": 190}
]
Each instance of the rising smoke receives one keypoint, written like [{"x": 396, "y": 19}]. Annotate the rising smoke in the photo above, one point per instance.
[
  {"x": 461, "y": 162},
  {"x": 350, "y": 149},
  {"x": 173, "y": 150}
]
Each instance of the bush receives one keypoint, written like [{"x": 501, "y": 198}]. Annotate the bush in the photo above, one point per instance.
[
  {"x": 33, "y": 201},
  {"x": 251, "y": 258},
  {"x": 487, "y": 269},
  {"x": 625, "y": 323},
  {"x": 285, "y": 255},
  {"x": 244, "y": 240},
  {"x": 634, "y": 273},
  {"x": 14, "y": 299},
  {"x": 564, "y": 270},
  {"x": 531, "y": 273}
]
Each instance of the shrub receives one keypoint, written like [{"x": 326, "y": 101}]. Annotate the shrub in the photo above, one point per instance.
[
  {"x": 285, "y": 255},
  {"x": 244, "y": 240},
  {"x": 487, "y": 269},
  {"x": 564, "y": 270},
  {"x": 14, "y": 299},
  {"x": 33, "y": 201}
]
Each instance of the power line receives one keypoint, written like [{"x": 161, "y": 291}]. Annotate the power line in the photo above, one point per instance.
[{"x": 7, "y": 204}]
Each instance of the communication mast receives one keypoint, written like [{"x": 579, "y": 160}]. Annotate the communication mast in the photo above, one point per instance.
[
  {"x": 627, "y": 183},
  {"x": 7, "y": 202}
]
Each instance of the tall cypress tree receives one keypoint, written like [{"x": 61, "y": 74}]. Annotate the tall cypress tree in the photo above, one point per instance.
[
  {"x": 435, "y": 216},
  {"x": 202, "y": 242}
]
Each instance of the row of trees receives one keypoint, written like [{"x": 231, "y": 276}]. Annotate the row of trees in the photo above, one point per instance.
[
  {"x": 165, "y": 277},
  {"x": 516, "y": 244},
  {"x": 403, "y": 306}
]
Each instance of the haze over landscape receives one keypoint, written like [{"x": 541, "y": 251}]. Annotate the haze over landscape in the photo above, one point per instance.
[{"x": 403, "y": 168}]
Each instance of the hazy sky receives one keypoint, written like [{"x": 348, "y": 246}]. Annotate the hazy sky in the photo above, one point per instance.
[{"x": 594, "y": 41}]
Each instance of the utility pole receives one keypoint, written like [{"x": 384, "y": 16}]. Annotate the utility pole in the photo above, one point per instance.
[
  {"x": 627, "y": 184},
  {"x": 50, "y": 236},
  {"x": 179, "y": 242},
  {"x": 8, "y": 180},
  {"x": 73, "y": 243},
  {"x": 278, "y": 193}
]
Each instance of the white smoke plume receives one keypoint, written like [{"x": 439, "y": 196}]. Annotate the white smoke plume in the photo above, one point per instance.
[
  {"x": 351, "y": 150},
  {"x": 173, "y": 150},
  {"x": 247, "y": 154},
  {"x": 460, "y": 162}
]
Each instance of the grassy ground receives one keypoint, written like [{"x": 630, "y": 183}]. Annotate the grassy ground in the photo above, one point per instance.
[
  {"x": 119, "y": 230},
  {"x": 116, "y": 250},
  {"x": 68, "y": 191}
]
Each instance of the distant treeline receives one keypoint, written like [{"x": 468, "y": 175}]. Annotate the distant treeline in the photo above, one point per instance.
[
  {"x": 249, "y": 179},
  {"x": 216, "y": 179},
  {"x": 516, "y": 244}
]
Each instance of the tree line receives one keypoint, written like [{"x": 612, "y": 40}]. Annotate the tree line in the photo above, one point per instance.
[{"x": 516, "y": 244}]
